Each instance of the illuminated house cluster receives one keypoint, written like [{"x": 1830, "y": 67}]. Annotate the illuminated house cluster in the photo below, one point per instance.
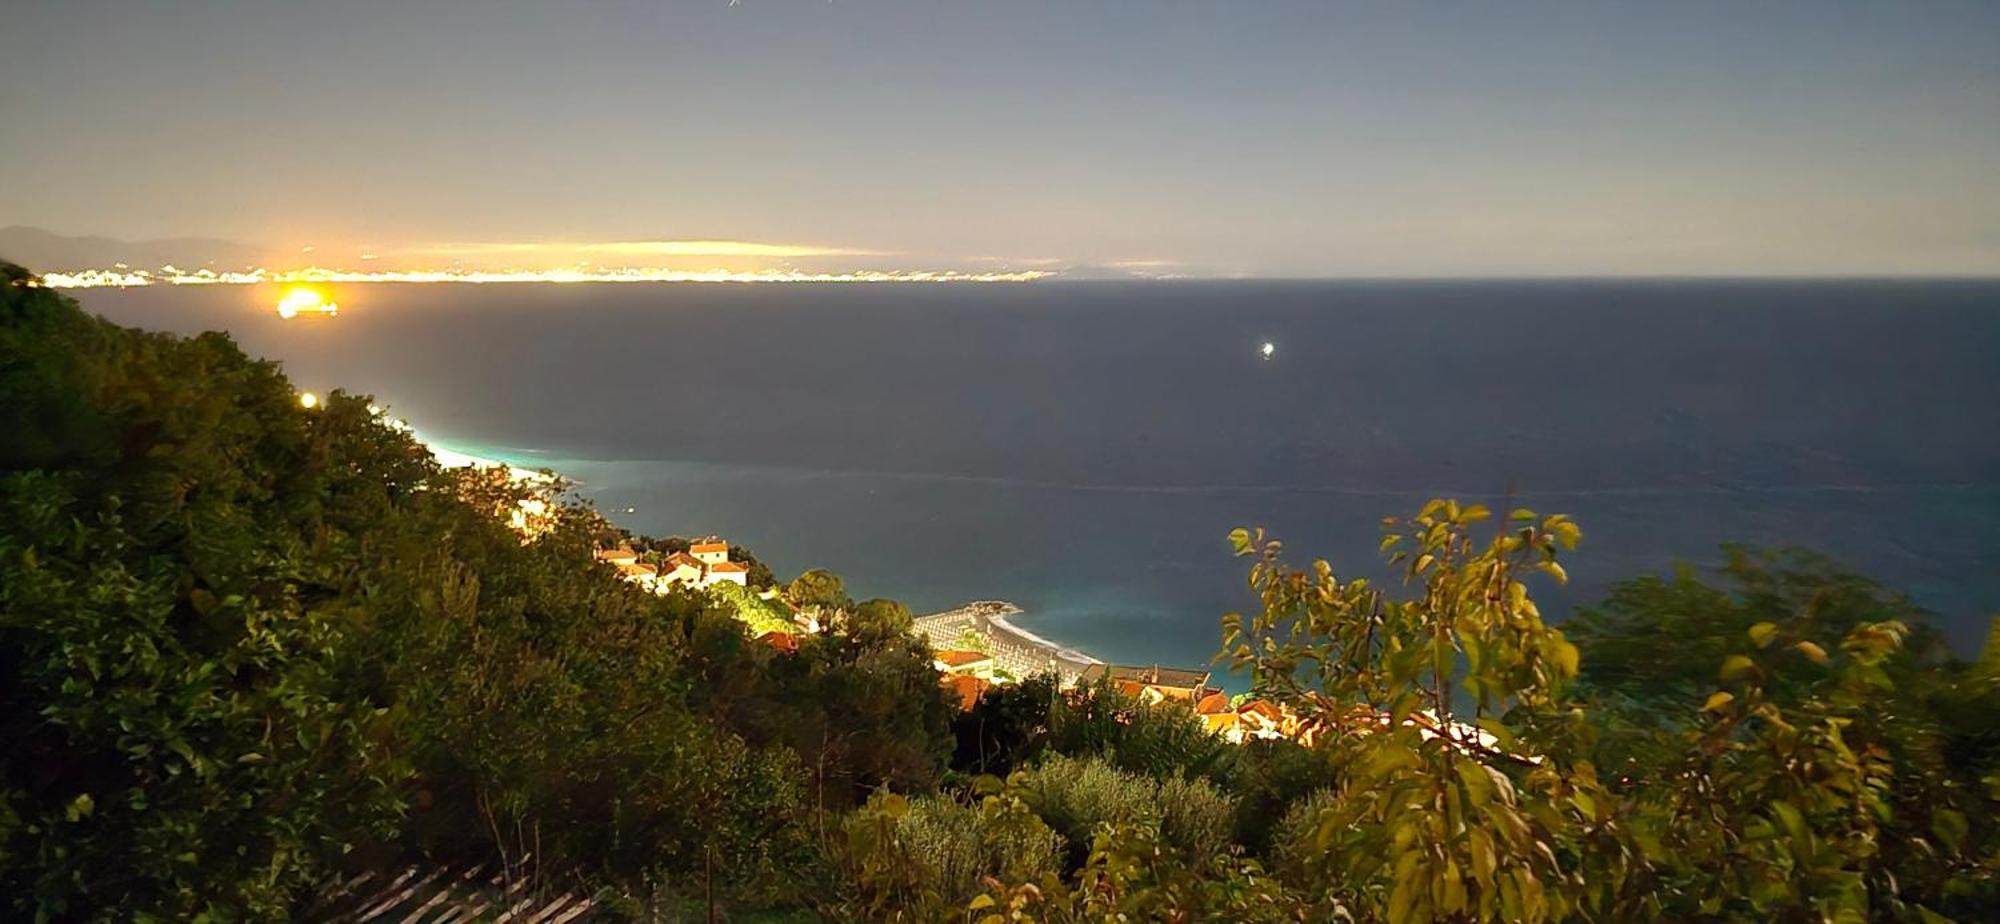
[{"x": 705, "y": 564}]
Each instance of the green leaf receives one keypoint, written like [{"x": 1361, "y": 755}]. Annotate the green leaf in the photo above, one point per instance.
[
  {"x": 1789, "y": 816},
  {"x": 80, "y": 807},
  {"x": 1736, "y": 666},
  {"x": 1567, "y": 657},
  {"x": 1480, "y": 844},
  {"x": 1478, "y": 786},
  {"x": 1950, "y": 827},
  {"x": 1989, "y": 657},
  {"x": 980, "y": 901}
]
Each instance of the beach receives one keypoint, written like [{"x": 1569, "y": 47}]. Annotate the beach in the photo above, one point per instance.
[{"x": 1015, "y": 650}]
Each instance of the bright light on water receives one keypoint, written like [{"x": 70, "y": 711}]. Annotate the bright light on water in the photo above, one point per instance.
[
  {"x": 299, "y": 299},
  {"x": 1268, "y": 348}
]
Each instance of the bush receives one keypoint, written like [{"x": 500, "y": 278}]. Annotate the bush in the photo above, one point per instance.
[
  {"x": 924, "y": 858},
  {"x": 1196, "y": 817},
  {"x": 1080, "y": 798},
  {"x": 1292, "y": 840},
  {"x": 1268, "y": 777},
  {"x": 1074, "y": 796},
  {"x": 1158, "y": 741},
  {"x": 948, "y": 839}
]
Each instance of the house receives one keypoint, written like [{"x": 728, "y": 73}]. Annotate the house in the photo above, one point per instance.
[
  {"x": 733, "y": 572},
  {"x": 680, "y": 568},
  {"x": 964, "y": 661},
  {"x": 966, "y": 689},
  {"x": 698, "y": 567},
  {"x": 645, "y": 576},
  {"x": 1149, "y": 684},
  {"x": 710, "y": 551},
  {"x": 1264, "y": 719},
  {"x": 617, "y": 556},
  {"x": 1217, "y": 714}
]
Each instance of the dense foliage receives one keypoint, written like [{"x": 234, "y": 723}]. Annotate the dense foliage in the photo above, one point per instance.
[
  {"x": 247, "y": 647},
  {"x": 248, "y": 644}
]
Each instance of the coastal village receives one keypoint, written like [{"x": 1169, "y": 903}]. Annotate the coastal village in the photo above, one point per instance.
[
  {"x": 975, "y": 647},
  {"x": 705, "y": 564}
]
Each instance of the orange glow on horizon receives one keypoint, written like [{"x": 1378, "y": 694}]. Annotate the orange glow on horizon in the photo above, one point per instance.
[
  {"x": 305, "y": 299},
  {"x": 127, "y": 278}
]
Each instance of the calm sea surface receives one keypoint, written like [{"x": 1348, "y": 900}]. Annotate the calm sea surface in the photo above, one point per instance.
[{"x": 1082, "y": 448}]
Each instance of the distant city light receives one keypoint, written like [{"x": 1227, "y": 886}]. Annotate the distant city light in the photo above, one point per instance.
[{"x": 128, "y": 278}]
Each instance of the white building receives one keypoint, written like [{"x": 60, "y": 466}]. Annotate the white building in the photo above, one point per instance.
[
  {"x": 705, "y": 564},
  {"x": 727, "y": 571},
  {"x": 710, "y": 551},
  {"x": 681, "y": 568}
]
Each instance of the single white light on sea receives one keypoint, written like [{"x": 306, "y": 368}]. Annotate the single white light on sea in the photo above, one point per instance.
[{"x": 1267, "y": 349}]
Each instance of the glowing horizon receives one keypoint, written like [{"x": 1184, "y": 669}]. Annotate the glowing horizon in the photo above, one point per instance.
[
  {"x": 656, "y": 248},
  {"x": 129, "y": 278}
]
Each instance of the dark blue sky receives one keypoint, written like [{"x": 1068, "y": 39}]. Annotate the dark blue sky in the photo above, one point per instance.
[{"x": 1257, "y": 138}]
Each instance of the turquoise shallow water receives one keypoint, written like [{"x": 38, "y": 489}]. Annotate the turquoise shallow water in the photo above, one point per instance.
[{"x": 1081, "y": 449}]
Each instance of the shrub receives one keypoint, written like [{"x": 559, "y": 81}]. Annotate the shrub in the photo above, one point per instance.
[
  {"x": 1293, "y": 840},
  {"x": 1074, "y": 796},
  {"x": 921, "y": 859},
  {"x": 1196, "y": 817},
  {"x": 1158, "y": 741}
]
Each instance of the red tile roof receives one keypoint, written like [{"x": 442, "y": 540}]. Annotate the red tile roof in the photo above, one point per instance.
[
  {"x": 968, "y": 688},
  {"x": 1262, "y": 708},
  {"x": 960, "y": 657},
  {"x": 1213, "y": 704},
  {"x": 679, "y": 559},
  {"x": 728, "y": 566},
  {"x": 784, "y": 642},
  {"x": 714, "y": 545}
]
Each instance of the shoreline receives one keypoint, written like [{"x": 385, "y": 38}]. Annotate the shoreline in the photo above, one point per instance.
[{"x": 1016, "y": 650}]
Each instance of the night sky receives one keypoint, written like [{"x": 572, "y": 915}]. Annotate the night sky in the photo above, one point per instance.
[{"x": 1221, "y": 138}]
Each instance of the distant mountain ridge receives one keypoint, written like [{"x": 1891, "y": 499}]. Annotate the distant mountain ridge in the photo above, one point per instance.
[{"x": 42, "y": 250}]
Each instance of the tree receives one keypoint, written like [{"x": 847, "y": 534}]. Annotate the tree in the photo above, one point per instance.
[
  {"x": 876, "y": 622},
  {"x": 180, "y": 742},
  {"x": 818, "y": 590},
  {"x": 1655, "y": 641},
  {"x": 1434, "y": 817},
  {"x": 1006, "y": 728}
]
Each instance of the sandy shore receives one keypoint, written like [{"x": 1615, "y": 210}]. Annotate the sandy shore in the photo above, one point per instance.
[{"x": 1018, "y": 651}]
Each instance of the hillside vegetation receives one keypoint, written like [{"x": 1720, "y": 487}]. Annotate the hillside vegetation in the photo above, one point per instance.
[{"x": 249, "y": 647}]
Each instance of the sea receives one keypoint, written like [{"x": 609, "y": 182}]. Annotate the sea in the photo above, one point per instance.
[{"x": 1082, "y": 449}]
